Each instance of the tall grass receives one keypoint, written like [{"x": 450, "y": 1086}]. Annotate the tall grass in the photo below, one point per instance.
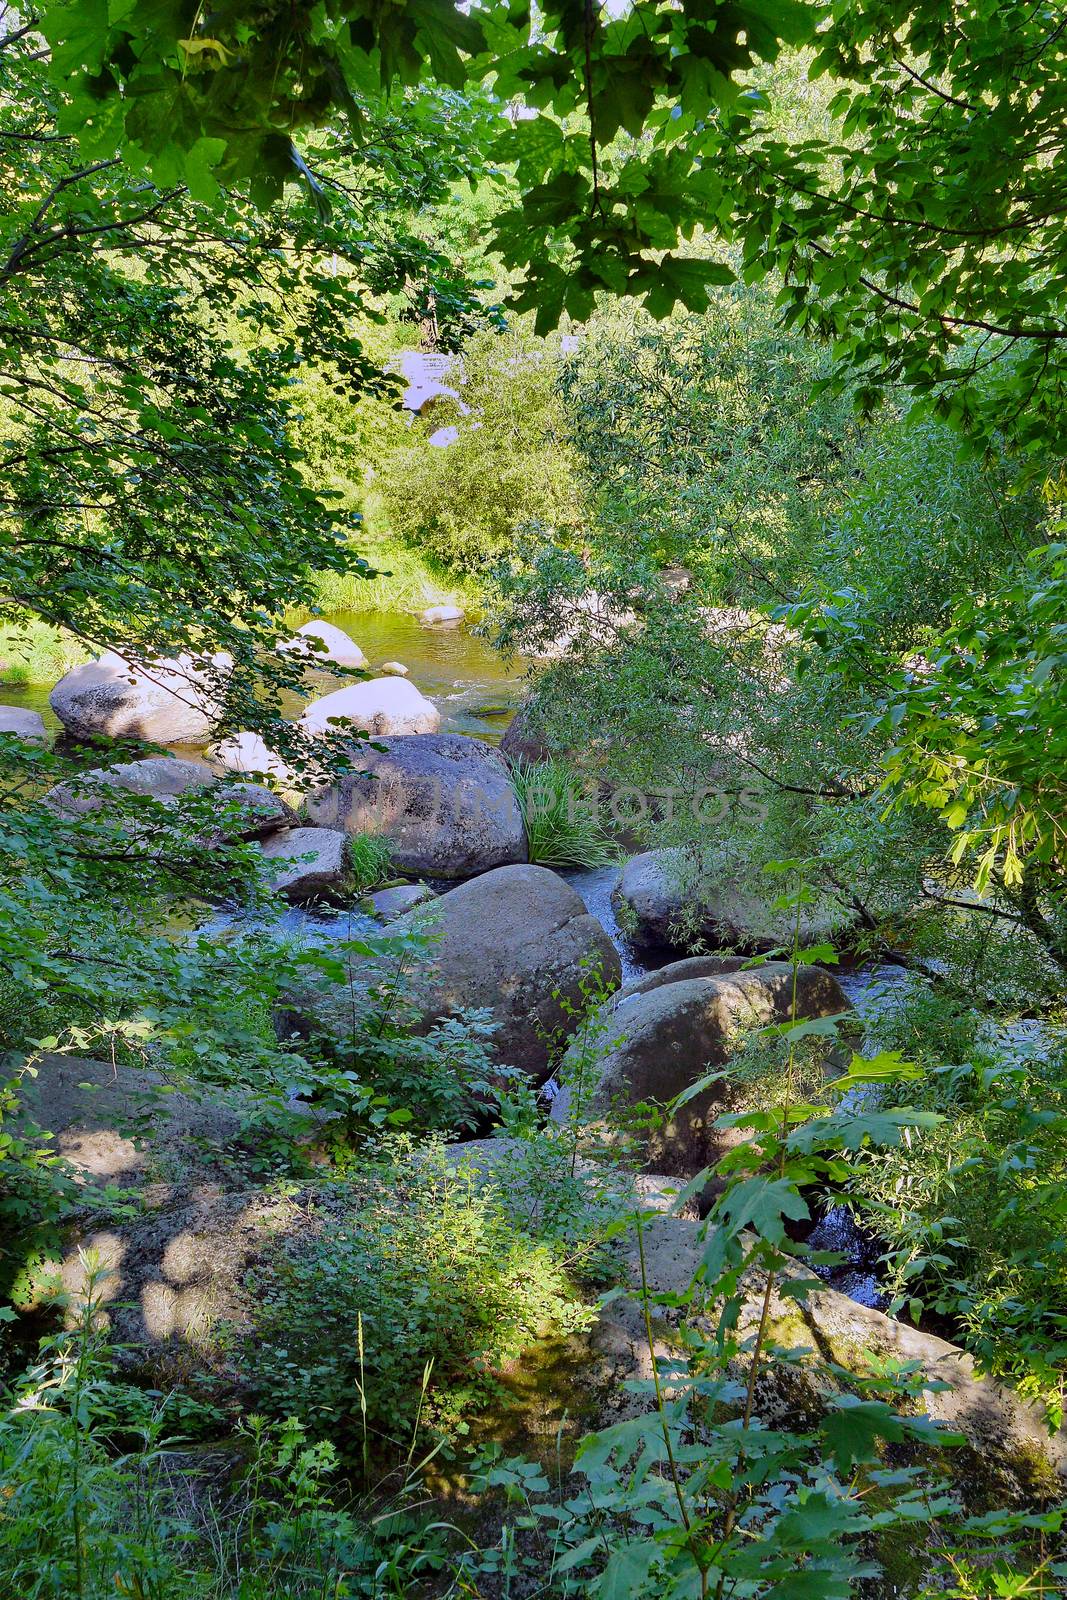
[
  {"x": 370, "y": 861},
  {"x": 37, "y": 653},
  {"x": 407, "y": 582},
  {"x": 561, "y": 822}
]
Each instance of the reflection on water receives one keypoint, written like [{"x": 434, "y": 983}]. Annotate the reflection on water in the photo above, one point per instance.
[
  {"x": 473, "y": 686},
  {"x": 305, "y": 925},
  {"x": 858, "y": 1274}
]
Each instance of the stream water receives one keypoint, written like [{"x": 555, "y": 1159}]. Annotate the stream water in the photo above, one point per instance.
[
  {"x": 857, "y": 1274},
  {"x": 477, "y": 693},
  {"x": 474, "y": 688}
]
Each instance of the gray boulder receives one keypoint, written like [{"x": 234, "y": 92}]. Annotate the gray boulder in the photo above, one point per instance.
[
  {"x": 320, "y": 643},
  {"x": 1009, "y": 1447},
  {"x": 664, "y": 903},
  {"x": 518, "y": 941},
  {"x": 23, "y": 724},
  {"x": 121, "y": 1123},
  {"x": 524, "y": 741},
  {"x": 247, "y": 752},
  {"x": 444, "y": 802},
  {"x": 164, "y": 702},
  {"x": 443, "y": 616},
  {"x": 677, "y": 971},
  {"x": 388, "y": 904},
  {"x": 244, "y": 810},
  {"x": 663, "y": 1039},
  {"x": 307, "y": 864},
  {"x": 251, "y": 811},
  {"x": 161, "y": 777},
  {"x": 381, "y": 706}
]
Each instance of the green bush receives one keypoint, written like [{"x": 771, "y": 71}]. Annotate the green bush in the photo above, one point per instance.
[
  {"x": 394, "y": 1305},
  {"x": 98, "y": 1499},
  {"x": 702, "y": 441},
  {"x": 511, "y": 462},
  {"x": 972, "y": 1210}
]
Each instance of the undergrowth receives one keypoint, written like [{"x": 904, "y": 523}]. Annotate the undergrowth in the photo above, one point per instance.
[
  {"x": 37, "y": 653},
  {"x": 100, "y": 1497},
  {"x": 392, "y": 1309}
]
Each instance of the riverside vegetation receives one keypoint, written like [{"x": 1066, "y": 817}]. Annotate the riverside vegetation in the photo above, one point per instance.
[{"x": 342, "y": 1250}]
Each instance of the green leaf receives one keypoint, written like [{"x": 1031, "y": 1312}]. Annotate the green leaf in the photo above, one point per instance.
[
  {"x": 628, "y": 1570},
  {"x": 853, "y": 1427},
  {"x": 680, "y": 279}
]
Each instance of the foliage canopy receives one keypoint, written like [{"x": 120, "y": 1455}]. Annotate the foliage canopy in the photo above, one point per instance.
[{"x": 894, "y": 231}]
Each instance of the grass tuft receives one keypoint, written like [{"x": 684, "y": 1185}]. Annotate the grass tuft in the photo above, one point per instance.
[
  {"x": 370, "y": 861},
  {"x": 561, "y": 822}
]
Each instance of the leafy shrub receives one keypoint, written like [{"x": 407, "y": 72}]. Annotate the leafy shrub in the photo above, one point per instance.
[
  {"x": 919, "y": 524},
  {"x": 95, "y": 1503},
  {"x": 392, "y": 1308},
  {"x": 37, "y": 1192},
  {"x": 972, "y": 1208},
  {"x": 703, "y": 443},
  {"x": 561, "y": 825},
  {"x": 362, "y": 1055},
  {"x": 510, "y": 462}
]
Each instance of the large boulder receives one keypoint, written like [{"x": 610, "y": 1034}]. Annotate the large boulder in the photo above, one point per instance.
[
  {"x": 524, "y": 741},
  {"x": 663, "y": 902},
  {"x": 251, "y": 811},
  {"x": 1010, "y": 1454},
  {"x": 117, "y": 1122},
  {"x": 711, "y": 966},
  {"x": 164, "y": 702},
  {"x": 160, "y": 777},
  {"x": 444, "y": 802},
  {"x": 307, "y": 864},
  {"x": 320, "y": 643},
  {"x": 242, "y": 810},
  {"x": 248, "y": 753},
  {"x": 664, "y": 1038},
  {"x": 21, "y": 723},
  {"x": 380, "y": 706},
  {"x": 443, "y": 616},
  {"x": 518, "y": 941}
]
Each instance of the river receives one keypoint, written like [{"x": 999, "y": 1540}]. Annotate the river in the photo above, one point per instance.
[
  {"x": 475, "y": 689},
  {"x": 477, "y": 692}
]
